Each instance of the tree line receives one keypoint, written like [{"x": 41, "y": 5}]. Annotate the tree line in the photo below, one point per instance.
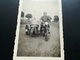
[{"x": 56, "y": 18}]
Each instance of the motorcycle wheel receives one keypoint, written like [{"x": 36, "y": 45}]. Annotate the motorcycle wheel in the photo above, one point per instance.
[
  {"x": 47, "y": 36},
  {"x": 27, "y": 33}
]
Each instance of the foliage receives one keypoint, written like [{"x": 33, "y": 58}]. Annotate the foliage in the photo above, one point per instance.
[
  {"x": 56, "y": 18},
  {"x": 28, "y": 16},
  {"x": 22, "y": 14}
]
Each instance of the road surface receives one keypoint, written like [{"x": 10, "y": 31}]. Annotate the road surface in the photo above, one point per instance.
[{"x": 37, "y": 46}]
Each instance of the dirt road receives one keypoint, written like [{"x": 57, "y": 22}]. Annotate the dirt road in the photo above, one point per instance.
[{"x": 37, "y": 46}]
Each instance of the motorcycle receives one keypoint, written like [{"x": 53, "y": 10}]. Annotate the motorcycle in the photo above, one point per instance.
[{"x": 45, "y": 30}]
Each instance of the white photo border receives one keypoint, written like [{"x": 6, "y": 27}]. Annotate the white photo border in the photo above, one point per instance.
[{"x": 15, "y": 57}]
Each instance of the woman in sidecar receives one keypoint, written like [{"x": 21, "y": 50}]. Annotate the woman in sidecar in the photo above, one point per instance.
[{"x": 32, "y": 29}]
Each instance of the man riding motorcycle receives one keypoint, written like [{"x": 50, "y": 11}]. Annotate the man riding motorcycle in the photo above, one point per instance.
[{"x": 44, "y": 18}]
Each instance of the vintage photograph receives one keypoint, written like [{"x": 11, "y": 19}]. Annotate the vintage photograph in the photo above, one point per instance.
[{"x": 39, "y": 28}]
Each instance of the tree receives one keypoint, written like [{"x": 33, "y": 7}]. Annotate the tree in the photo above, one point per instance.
[
  {"x": 22, "y": 14},
  {"x": 56, "y": 18},
  {"x": 28, "y": 16}
]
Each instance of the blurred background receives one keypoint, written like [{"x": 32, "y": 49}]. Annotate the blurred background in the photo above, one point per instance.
[{"x": 37, "y": 7}]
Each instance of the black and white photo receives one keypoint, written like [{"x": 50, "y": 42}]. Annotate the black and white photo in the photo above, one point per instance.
[{"x": 39, "y": 32}]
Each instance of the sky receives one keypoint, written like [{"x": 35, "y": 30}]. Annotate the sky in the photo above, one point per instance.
[{"x": 37, "y": 7}]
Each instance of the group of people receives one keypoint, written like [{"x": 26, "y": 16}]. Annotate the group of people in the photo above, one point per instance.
[{"x": 43, "y": 19}]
